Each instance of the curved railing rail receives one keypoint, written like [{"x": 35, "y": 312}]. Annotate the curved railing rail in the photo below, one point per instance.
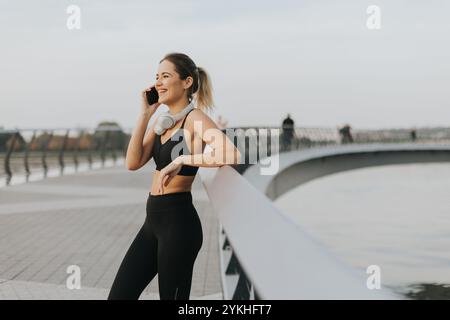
[
  {"x": 298, "y": 167},
  {"x": 265, "y": 255}
]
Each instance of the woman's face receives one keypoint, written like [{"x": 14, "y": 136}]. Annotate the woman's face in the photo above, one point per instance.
[{"x": 169, "y": 85}]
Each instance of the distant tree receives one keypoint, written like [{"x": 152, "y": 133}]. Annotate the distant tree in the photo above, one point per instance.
[
  {"x": 114, "y": 137},
  {"x": 6, "y": 140}
]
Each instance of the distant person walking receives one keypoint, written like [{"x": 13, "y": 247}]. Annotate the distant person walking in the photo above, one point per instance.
[
  {"x": 413, "y": 134},
  {"x": 346, "y": 134},
  {"x": 288, "y": 133}
]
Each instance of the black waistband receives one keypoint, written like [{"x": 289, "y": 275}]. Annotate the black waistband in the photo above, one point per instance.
[{"x": 169, "y": 200}]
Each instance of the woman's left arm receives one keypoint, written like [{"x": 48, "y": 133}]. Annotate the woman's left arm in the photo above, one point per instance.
[{"x": 223, "y": 151}]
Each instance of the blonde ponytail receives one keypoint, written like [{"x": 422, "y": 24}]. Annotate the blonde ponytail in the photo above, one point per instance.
[{"x": 204, "y": 94}]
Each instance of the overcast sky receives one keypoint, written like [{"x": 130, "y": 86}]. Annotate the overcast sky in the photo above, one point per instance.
[{"x": 314, "y": 59}]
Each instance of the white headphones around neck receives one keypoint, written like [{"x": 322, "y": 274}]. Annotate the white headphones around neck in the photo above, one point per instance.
[{"x": 166, "y": 120}]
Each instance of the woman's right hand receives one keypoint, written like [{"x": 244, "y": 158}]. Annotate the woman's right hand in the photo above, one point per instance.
[{"x": 145, "y": 107}]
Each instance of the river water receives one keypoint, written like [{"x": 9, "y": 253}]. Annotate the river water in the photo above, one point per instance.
[{"x": 396, "y": 217}]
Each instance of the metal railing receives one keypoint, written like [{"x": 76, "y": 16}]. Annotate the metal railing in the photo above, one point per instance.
[
  {"x": 25, "y": 151},
  {"x": 37, "y": 151}
]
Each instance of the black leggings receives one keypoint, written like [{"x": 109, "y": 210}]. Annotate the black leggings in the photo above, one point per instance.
[{"x": 167, "y": 244}]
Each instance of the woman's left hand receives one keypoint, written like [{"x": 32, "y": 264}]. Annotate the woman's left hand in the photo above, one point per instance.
[{"x": 168, "y": 172}]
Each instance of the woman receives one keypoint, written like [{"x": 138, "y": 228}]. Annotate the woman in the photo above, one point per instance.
[{"x": 171, "y": 237}]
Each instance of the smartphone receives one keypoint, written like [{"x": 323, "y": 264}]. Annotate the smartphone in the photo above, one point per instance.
[{"x": 152, "y": 96}]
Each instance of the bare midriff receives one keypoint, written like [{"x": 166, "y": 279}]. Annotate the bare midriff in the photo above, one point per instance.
[{"x": 177, "y": 184}]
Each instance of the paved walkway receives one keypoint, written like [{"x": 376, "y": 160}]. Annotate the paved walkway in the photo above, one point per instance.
[{"x": 89, "y": 220}]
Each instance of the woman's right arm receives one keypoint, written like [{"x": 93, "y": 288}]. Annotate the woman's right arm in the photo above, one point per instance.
[{"x": 139, "y": 150}]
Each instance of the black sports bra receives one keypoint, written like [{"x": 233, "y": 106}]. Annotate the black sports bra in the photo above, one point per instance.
[{"x": 162, "y": 151}]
